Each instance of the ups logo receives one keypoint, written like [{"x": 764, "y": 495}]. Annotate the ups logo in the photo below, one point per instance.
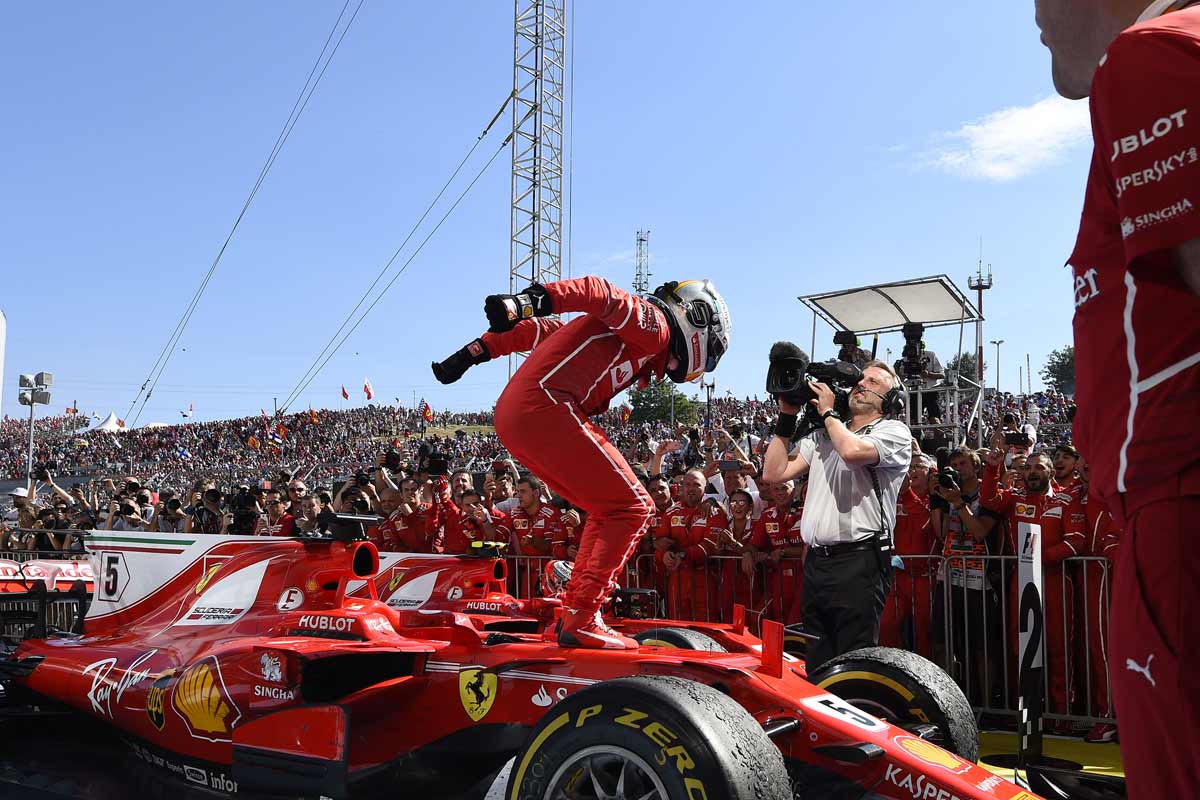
[
  {"x": 1025, "y": 510},
  {"x": 677, "y": 519},
  {"x": 156, "y": 700},
  {"x": 520, "y": 524},
  {"x": 772, "y": 527}
]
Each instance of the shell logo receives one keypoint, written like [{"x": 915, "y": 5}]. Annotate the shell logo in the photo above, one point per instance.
[
  {"x": 932, "y": 754},
  {"x": 200, "y": 697}
]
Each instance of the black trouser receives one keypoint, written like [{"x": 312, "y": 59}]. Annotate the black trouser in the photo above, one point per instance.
[{"x": 843, "y": 597}]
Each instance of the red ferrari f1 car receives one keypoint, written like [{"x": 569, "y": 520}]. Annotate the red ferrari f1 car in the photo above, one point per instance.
[{"x": 308, "y": 668}]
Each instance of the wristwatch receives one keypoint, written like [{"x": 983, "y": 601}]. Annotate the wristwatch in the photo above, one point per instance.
[{"x": 827, "y": 415}]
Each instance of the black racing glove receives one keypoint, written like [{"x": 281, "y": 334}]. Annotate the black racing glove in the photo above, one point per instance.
[
  {"x": 456, "y": 365},
  {"x": 504, "y": 311}
]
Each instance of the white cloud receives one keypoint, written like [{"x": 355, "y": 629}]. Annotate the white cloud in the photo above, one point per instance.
[{"x": 1013, "y": 142}]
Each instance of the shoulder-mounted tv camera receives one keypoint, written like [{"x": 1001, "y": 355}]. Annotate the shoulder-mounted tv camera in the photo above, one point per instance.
[{"x": 791, "y": 374}]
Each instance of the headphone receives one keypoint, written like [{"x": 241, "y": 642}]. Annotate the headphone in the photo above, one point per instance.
[{"x": 892, "y": 404}]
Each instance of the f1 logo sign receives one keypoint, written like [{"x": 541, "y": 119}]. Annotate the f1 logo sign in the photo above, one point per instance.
[{"x": 291, "y": 599}]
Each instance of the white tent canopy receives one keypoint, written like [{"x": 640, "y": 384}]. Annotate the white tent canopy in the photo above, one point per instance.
[
  {"x": 887, "y": 307},
  {"x": 109, "y": 424}
]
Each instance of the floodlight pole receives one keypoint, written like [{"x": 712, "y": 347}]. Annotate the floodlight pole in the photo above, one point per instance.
[
  {"x": 29, "y": 457},
  {"x": 997, "y": 342}
]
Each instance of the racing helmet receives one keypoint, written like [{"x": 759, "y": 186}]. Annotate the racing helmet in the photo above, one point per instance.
[
  {"x": 555, "y": 578},
  {"x": 700, "y": 326}
]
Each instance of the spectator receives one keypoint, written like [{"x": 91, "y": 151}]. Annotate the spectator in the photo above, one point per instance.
[
  {"x": 967, "y": 533},
  {"x": 278, "y": 520},
  {"x": 693, "y": 535}
]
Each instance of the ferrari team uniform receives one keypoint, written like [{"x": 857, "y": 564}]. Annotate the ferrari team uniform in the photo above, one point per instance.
[
  {"x": 1060, "y": 539},
  {"x": 1103, "y": 541},
  {"x": 696, "y": 533},
  {"x": 1137, "y": 357},
  {"x": 734, "y": 586},
  {"x": 912, "y": 590},
  {"x": 542, "y": 528},
  {"x": 778, "y": 528},
  {"x": 568, "y": 536},
  {"x": 461, "y": 530},
  {"x": 573, "y": 372},
  {"x": 419, "y": 531}
]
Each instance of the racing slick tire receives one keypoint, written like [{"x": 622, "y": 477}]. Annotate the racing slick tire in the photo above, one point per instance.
[
  {"x": 607, "y": 741},
  {"x": 904, "y": 689},
  {"x": 681, "y": 638}
]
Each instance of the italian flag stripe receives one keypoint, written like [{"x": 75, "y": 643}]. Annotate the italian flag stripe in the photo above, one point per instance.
[{"x": 176, "y": 542}]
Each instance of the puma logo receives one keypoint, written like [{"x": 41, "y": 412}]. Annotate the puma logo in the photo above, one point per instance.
[{"x": 1134, "y": 666}]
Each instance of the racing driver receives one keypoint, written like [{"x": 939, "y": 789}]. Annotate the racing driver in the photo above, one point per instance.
[
  {"x": 680, "y": 331},
  {"x": 1136, "y": 270}
]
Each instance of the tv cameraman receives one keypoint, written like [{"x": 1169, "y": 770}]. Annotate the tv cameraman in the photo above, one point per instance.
[{"x": 854, "y": 476}]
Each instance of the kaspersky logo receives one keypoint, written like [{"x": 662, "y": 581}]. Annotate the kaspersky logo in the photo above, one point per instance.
[{"x": 201, "y": 699}]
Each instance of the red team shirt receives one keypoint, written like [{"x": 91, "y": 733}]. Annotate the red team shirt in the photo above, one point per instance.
[
  {"x": 1137, "y": 324},
  {"x": 544, "y": 525}
]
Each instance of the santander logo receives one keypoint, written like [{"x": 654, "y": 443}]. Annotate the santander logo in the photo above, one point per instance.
[{"x": 696, "y": 349}]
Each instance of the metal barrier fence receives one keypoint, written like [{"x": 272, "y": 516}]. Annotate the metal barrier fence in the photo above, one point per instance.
[{"x": 959, "y": 612}]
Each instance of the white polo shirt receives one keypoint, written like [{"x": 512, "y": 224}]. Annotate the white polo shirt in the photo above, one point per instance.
[{"x": 841, "y": 505}]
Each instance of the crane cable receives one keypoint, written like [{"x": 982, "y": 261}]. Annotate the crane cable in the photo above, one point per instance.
[
  {"x": 301, "y": 102},
  {"x": 331, "y": 347}
]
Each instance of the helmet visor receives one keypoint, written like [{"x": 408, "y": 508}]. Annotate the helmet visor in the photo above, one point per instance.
[{"x": 716, "y": 349}]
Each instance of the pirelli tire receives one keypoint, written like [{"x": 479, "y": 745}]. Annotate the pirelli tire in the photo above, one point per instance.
[
  {"x": 608, "y": 741},
  {"x": 682, "y": 638},
  {"x": 904, "y": 689}
]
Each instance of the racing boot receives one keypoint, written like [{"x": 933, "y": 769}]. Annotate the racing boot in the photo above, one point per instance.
[{"x": 586, "y": 629}]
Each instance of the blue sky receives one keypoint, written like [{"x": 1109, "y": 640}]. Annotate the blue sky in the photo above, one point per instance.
[{"x": 778, "y": 150}]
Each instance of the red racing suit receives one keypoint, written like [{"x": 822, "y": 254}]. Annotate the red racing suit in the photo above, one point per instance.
[
  {"x": 1137, "y": 370},
  {"x": 912, "y": 590},
  {"x": 461, "y": 530},
  {"x": 735, "y": 587},
  {"x": 696, "y": 533},
  {"x": 775, "y": 530},
  {"x": 1061, "y": 538},
  {"x": 572, "y": 373}
]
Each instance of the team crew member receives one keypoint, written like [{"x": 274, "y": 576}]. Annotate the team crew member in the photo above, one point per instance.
[
  {"x": 1136, "y": 266},
  {"x": 694, "y": 529},
  {"x": 573, "y": 372},
  {"x": 472, "y": 523},
  {"x": 777, "y": 544},
  {"x": 417, "y": 525},
  {"x": 1103, "y": 541},
  {"x": 566, "y": 543},
  {"x": 738, "y": 585},
  {"x": 858, "y": 467},
  {"x": 1061, "y": 538},
  {"x": 912, "y": 596}
]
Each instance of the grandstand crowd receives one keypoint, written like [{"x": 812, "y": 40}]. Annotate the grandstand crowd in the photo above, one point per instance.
[{"x": 720, "y": 534}]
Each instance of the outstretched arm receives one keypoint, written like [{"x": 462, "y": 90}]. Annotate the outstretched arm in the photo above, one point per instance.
[{"x": 525, "y": 336}]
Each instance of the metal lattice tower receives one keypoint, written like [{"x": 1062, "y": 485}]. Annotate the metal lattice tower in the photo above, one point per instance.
[
  {"x": 539, "y": 81},
  {"x": 641, "y": 273}
]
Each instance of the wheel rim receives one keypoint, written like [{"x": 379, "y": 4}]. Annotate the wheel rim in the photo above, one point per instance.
[{"x": 605, "y": 772}]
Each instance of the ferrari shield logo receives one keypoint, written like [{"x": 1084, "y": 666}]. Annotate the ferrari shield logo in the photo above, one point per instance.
[
  {"x": 208, "y": 574},
  {"x": 477, "y": 690},
  {"x": 397, "y": 579}
]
